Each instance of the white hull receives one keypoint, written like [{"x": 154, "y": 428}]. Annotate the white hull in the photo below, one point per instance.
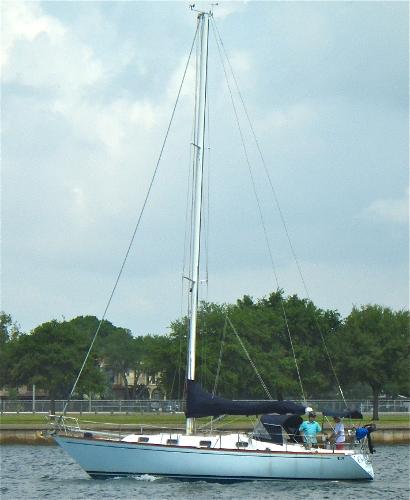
[{"x": 105, "y": 458}]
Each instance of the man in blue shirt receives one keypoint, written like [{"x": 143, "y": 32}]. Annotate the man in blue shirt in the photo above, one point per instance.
[{"x": 309, "y": 429}]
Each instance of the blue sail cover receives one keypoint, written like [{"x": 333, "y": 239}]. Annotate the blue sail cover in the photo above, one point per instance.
[
  {"x": 202, "y": 404},
  {"x": 275, "y": 423}
]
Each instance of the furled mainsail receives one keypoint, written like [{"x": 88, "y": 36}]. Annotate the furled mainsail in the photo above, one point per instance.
[{"x": 202, "y": 404}]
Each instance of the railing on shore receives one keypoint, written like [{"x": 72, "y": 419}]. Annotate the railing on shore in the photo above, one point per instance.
[
  {"x": 169, "y": 406},
  {"x": 91, "y": 406}
]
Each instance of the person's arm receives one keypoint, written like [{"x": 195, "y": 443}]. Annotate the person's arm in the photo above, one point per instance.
[{"x": 334, "y": 432}]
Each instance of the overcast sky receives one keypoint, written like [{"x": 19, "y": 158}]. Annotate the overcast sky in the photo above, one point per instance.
[{"x": 88, "y": 89}]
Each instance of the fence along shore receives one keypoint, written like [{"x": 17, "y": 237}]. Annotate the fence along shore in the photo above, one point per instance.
[{"x": 32, "y": 433}]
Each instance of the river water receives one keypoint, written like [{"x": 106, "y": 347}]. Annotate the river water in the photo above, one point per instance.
[{"x": 38, "y": 472}]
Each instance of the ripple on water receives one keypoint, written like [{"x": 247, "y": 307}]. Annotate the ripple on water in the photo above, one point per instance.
[{"x": 36, "y": 472}]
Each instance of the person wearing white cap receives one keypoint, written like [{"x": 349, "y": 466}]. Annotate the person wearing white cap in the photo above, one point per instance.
[{"x": 309, "y": 429}]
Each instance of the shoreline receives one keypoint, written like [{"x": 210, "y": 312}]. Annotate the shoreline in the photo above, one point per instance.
[{"x": 32, "y": 434}]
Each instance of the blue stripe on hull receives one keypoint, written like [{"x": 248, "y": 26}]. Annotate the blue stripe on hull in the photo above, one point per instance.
[{"x": 183, "y": 477}]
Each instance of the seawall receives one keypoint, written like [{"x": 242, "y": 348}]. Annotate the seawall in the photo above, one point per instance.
[{"x": 32, "y": 434}]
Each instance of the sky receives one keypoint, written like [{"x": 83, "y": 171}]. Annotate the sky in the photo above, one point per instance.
[{"x": 87, "y": 93}]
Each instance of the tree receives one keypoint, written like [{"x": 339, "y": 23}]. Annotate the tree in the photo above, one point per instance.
[
  {"x": 374, "y": 347},
  {"x": 51, "y": 357},
  {"x": 121, "y": 353},
  {"x": 114, "y": 346},
  {"x": 117, "y": 351},
  {"x": 264, "y": 333},
  {"x": 9, "y": 329},
  {"x": 152, "y": 355},
  {"x": 9, "y": 333},
  {"x": 299, "y": 322}
]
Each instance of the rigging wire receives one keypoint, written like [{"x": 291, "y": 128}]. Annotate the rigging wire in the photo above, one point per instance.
[
  {"x": 208, "y": 204},
  {"x": 258, "y": 205},
  {"x": 249, "y": 358},
  {"x": 173, "y": 383},
  {"x": 281, "y": 215},
  {"x": 218, "y": 370},
  {"x": 136, "y": 225},
  {"x": 205, "y": 237}
]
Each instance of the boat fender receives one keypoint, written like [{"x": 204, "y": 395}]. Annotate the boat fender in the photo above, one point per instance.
[{"x": 88, "y": 435}]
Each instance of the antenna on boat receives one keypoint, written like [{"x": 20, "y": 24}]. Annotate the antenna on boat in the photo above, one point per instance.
[{"x": 208, "y": 13}]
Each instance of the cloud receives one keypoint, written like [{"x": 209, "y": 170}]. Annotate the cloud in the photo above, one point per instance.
[
  {"x": 389, "y": 210},
  {"x": 225, "y": 9},
  {"x": 241, "y": 62},
  {"x": 93, "y": 135},
  {"x": 88, "y": 91},
  {"x": 108, "y": 124},
  {"x": 176, "y": 77},
  {"x": 40, "y": 52},
  {"x": 332, "y": 285},
  {"x": 24, "y": 22},
  {"x": 292, "y": 117}
]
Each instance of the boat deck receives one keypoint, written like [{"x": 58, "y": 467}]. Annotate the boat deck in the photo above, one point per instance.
[{"x": 231, "y": 441}]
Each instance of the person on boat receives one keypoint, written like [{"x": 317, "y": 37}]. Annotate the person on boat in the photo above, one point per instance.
[
  {"x": 309, "y": 429},
  {"x": 338, "y": 434}
]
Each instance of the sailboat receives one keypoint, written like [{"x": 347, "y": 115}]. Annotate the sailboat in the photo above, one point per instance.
[{"x": 272, "y": 451}]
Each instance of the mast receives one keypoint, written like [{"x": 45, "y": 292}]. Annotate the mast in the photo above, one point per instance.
[{"x": 199, "y": 142}]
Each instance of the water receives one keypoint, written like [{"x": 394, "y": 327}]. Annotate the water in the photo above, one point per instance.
[{"x": 38, "y": 472}]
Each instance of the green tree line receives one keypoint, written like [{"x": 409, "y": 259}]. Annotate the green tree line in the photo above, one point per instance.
[{"x": 298, "y": 349}]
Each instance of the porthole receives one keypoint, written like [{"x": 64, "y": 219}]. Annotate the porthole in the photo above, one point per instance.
[{"x": 242, "y": 444}]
